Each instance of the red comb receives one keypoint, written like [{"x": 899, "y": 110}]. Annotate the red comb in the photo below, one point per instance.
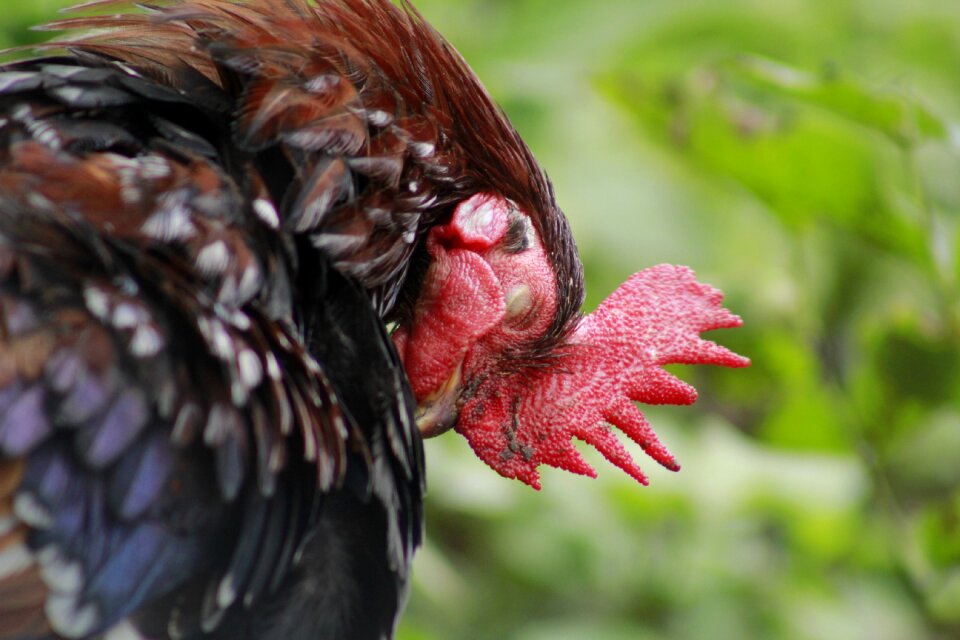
[{"x": 616, "y": 356}]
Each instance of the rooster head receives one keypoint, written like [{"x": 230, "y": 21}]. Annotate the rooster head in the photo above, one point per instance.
[{"x": 487, "y": 355}]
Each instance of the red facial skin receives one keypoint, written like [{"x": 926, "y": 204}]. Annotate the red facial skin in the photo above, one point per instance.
[
  {"x": 462, "y": 313},
  {"x": 516, "y": 420}
]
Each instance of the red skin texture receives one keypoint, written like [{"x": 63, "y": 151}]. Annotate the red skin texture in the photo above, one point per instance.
[
  {"x": 461, "y": 302},
  {"x": 462, "y": 307},
  {"x": 516, "y": 421}
]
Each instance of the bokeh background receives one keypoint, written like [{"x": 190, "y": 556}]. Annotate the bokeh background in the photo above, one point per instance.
[{"x": 802, "y": 155}]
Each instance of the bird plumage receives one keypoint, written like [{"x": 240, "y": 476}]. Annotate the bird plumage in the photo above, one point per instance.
[
  {"x": 207, "y": 214},
  {"x": 369, "y": 126}
]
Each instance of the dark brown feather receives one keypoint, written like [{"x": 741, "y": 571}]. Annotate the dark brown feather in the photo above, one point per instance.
[
  {"x": 379, "y": 61},
  {"x": 21, "y": 606},
  {"x": 22, "y": 594}
]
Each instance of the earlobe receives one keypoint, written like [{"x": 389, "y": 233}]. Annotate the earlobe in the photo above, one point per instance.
[{"x": 478, "y": 223}]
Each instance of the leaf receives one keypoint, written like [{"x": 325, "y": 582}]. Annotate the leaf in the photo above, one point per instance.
[
  {"x": 806, "y": 165},
  {"x": 901, "y": 117}
]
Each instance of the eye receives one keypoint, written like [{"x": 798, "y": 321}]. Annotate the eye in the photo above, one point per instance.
[
  {"x": 520, "y": 235},
  {"x": 519, "y": 301}
]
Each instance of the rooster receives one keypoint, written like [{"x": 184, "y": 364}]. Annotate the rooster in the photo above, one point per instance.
[{"x": 210, "y": 214}]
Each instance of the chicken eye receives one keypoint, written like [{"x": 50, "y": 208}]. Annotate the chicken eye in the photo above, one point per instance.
[
  {"x": 519, "y": 301},
  {"x": 520, "y": 235}
]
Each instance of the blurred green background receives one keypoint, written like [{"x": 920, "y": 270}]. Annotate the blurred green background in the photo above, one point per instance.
[{"x": 802, "y": 156}]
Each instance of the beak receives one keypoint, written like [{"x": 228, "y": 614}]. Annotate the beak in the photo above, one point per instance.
[{"x": 438, "y": 412}]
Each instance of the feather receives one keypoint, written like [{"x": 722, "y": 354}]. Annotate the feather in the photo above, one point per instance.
[
  {"x": 140, "y": 476},
  {"x": 24, "y": 422},
  {"x": 330, "y": 183},
  {"x": 22, "y": 590},
  {"x": 21, "y": 605},
  {"x": 100, "y": 445}
]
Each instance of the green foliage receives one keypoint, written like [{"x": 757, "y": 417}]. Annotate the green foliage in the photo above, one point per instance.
[{"x": 803, "y": 157}]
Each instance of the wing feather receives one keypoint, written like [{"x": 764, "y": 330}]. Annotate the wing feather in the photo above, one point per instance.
[{"x": 185, "y": 324}]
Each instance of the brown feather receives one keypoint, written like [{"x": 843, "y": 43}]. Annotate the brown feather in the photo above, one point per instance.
[
  {"x": 396, "y": 72},
  {"x": 22, "y": 599},
  {"x": 22, "y": 594},
  {"x": 11, "y": 471}
]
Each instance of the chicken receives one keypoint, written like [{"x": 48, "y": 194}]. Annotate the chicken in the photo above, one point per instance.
[{"x": 210, "y": 213}]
